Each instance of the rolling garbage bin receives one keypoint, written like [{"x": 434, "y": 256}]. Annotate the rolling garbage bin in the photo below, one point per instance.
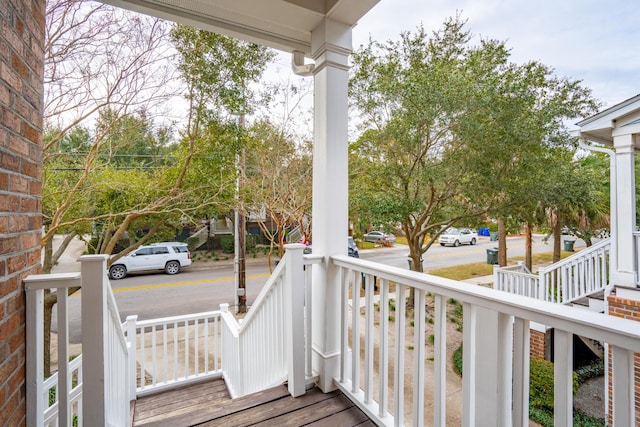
[
  {"x": 568, "y": 245},
  {"x": 492, "y": 256},
  {"x": 493, "y": 236}
]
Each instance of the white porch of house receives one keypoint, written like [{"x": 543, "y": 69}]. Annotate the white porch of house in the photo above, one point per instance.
[
  {"x": 275, "y": 344},
  {"x": 320, "y": 333}
]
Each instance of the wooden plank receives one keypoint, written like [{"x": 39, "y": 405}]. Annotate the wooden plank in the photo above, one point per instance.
[
  {"x": 208, "y": 404},
  {"x": 271, "y": 411},
  {"x": 349, "y": 417},
  {"x": 308, "y": 413},
  {"x": 216, "y": 387},
  {"x": 187, "y": 397},
  {"x": 190, "y": 415}
]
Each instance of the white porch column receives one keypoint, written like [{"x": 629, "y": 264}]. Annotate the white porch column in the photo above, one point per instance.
[
  {"x": 331, "y": 46},
  {"x": 624, "y": 273}
]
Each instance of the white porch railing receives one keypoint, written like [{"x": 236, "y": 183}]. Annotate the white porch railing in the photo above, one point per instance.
[
  {"x": 636, "y": 240},
  {"x": 173, "y": 350},
  {"x": 581, "y": 274},
  {"x": 272, "y": 343},
  {"x": 495, "y": 383},
  {"x": 92, "y": 388}
]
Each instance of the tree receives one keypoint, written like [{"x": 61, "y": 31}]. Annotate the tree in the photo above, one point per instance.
[
  {"x": 454, "y": 130},
  {"x": 590, "y": 217},
  {"x": 219, "y": 72},
  {"x": 97, "y": 58},
  {"x": 415, "y": 94},
  {"x": 279, "y": 181}
]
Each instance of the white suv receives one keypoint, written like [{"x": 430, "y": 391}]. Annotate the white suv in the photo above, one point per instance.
[{"x": 167, "y": 256}]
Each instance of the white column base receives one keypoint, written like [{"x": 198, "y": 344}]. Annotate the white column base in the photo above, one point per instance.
[{"x": 326, "y": 365}]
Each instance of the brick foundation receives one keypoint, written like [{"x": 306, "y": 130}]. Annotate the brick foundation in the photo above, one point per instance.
[
  {"x": 627, "y": 309},
  {"x": 21, "y": 71}
]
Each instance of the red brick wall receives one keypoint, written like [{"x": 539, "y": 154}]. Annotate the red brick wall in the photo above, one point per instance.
[
  {"x": 536, "y": 344},
  {"x": 21, "y": 69},
  {"x": 627, "y": 309}
]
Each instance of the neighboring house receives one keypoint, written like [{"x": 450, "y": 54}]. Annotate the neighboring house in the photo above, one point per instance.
[{"x": 314, "y": 348}]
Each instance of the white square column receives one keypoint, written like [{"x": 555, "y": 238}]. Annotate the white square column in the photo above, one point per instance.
[
  {"x": 331, "y": 46},
  {"x": 625, "y": 272}
]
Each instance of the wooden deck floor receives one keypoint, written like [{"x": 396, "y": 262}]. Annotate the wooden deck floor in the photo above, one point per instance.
[{"x": 209, "y": 404}]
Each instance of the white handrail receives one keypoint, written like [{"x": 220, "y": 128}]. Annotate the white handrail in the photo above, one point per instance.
[
  {"x": 495, "y": 370},
  {"x": 159, "y": 346},
  {"x": 579, "y": 275},
  {"x": 276, "y": 328},
  {"x": 105, "y": 385},
  {"x": 41, "y": 410},
  {"x": 636, "y": 239},
  {"x": 95, "y": 396}
]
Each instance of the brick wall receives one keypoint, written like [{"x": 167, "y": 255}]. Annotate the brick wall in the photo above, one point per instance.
[
  {"x": 627, "y": 309},
  {"x": 536, "y": 344},
  {"x": 21, "y": 69}
]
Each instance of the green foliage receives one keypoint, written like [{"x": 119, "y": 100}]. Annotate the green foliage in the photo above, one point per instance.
[
  {"x": 228, "y": 244},
  {"x": 541, "y": 384},
  {"x": 541, "y": 390},
  {"x": 219, "y": 69},
  {"x": 457, "y": 360},
  {"x": 592, "y": 370},
  {"x": 455, "y": 131}
]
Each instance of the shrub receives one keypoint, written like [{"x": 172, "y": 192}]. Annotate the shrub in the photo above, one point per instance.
[
  {"x": 592, "y": 370},
  {"x": 228, "y": 244}
]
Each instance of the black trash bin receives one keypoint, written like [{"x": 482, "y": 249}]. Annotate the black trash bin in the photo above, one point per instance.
[
  {"x": 492, "y": 256},
  {"x": 568, "y": 245}
]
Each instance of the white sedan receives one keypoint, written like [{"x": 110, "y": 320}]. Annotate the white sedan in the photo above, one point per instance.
[{"x": 458, "y": 236}]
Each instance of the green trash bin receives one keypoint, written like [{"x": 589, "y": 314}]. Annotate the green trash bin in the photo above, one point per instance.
[
  {"x": 492, "y": 256},
  {"x": 568, "y": 245},
  {"x": 493, "y": 236}
]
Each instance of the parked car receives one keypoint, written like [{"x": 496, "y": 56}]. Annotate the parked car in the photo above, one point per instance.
[
  {"x": 351, "y": 244},
  {"x": 375, "y": 236},
  {"x": 170, "y": 257},
  {"x": 458, "y": 236}
]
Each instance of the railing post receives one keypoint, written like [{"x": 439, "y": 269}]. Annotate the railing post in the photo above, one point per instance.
[
  {"x": 294, "y": 318},
  {"x": 35, "y": 356},
  {"x": 133, "y": 354},
  {"x": 94, "y": 317}
]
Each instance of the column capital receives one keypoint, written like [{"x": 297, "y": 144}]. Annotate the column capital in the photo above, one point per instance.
[
  {"x": 624, "y": 143},
  {"x": 331, "y": 45}
]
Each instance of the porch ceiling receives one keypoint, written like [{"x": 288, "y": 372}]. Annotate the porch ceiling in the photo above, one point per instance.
[
  {"x": 621, "y": 118},
  {"x": 281, "y": 24}
]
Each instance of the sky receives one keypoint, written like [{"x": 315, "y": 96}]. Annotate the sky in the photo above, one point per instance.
[{"x": 597, "y": 42}]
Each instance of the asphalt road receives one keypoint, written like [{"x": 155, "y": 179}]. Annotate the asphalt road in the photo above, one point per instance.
[{"x": 198, "y": 289}]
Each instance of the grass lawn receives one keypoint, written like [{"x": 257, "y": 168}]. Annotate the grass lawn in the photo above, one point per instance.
[{"x": 478, "y": 269}]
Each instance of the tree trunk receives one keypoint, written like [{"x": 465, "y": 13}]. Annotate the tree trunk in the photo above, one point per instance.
[
  {"x": 557, "y": 235},
  {"x": 47, "y": 262},
  {"x": 49, "y": 301},
  {"x": 502, "y": 243},
  {"x": 415, "y": 255},
  {"x": 528, "y": 242}
]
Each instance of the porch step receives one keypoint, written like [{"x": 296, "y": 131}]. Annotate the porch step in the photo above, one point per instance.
[{"x": 209, "y": 404}]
